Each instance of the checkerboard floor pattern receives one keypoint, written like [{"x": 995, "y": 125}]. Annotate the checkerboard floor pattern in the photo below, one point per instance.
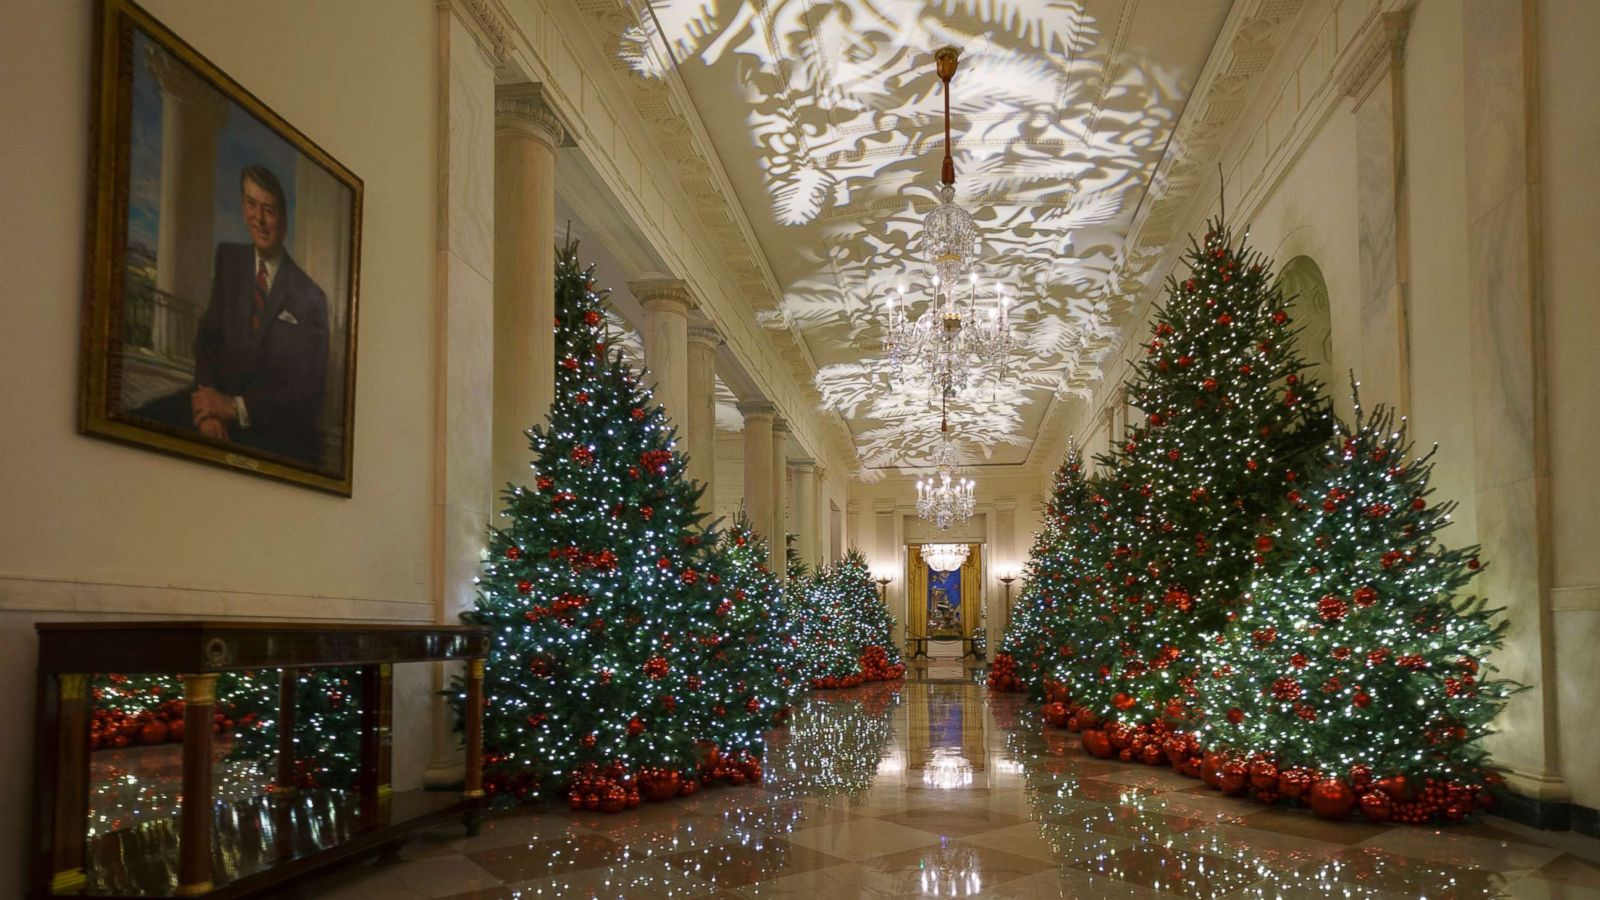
[{"x": 968, "y": 797}]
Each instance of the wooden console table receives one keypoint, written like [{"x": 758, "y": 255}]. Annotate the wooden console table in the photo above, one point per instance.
[
  {"x": 305, "y": 830},
  {"x": 918, "y": 646}
]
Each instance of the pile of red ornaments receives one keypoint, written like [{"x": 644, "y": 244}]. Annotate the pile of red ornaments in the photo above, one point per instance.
[
  {"x": 1003, "y": 674},
  {"x": 1330, "y": 795},
  {"x": 115, "y": 728},
  {"x": 738, "y": 769},
  {"x": 831, "y": 682},
  {"x": 610, "y": 789},
  {"x": 875, "y": 665}
]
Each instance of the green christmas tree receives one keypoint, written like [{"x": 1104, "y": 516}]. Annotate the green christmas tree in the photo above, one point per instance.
[
  {"x": 1358, "y": 656},
  {"x": 864, "y": 618},
  {"x": 828, "y": 652},
  {"x": 1061, "y": 585},
  {"x": 615, "y": 647},
  {"x": 1228, "y": 414},
  {"x": 756, "y": 609}
]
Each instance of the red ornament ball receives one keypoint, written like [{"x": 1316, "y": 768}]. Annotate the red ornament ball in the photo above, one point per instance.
[{"x": 1331, "y": 799}]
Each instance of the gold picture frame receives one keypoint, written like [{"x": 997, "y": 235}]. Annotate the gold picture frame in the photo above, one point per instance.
[{"x": 222, "y": 268}]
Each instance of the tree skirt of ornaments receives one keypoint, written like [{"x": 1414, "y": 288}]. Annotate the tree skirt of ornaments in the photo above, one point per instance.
[
  {"x": 875, "y": 666},
  {"x": 612, "y": 788},
  {"x": 1330, "y": 795},
  {"x": 1003, "y": 675}
]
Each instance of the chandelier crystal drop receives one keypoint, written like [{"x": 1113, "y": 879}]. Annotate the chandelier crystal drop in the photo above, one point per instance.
[
  {"x": 943, "y": 558},
  {"x": 966, "y": 328}
]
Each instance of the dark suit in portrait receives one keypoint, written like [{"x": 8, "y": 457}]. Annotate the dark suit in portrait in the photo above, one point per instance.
[{"x": 275, "y": 360}]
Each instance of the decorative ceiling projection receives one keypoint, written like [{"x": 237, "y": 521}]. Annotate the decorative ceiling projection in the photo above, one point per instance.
[{"x": 827, "y": 119}]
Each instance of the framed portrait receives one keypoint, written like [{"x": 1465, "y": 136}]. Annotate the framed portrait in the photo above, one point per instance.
[{"x": 222, "y": 262}]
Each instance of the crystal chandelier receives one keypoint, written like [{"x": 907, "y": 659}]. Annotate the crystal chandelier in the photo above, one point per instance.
[
  {"x": 965, "y": 328},
  {"x": 941, "y": 498},
  {"x": 944, "y": 558}
]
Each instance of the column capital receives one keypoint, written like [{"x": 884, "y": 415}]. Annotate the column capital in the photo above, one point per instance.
[
  {"x": 1008, "y": 505},
  {"x": 705, "y": 335},
  {"x": 883, "y": 507},
  {"x": 669, "y": 295},
  {"x": 1376, "y": 52},
  {"x": 757, "y": 409},
  {"x": 779, "y": 423},
  {"x": 803, "y": 464},
  {"x": 523, "y": 110}
]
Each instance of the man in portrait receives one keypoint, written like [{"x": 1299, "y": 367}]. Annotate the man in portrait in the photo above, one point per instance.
[{"x": 261, "y": 348}]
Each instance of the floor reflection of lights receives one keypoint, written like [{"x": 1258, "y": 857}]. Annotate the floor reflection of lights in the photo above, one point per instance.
[{"x": 866, "y": 798}]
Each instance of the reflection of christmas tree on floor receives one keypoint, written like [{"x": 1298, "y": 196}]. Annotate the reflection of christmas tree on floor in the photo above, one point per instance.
[
  {"x": 835, "y": 744},
  {"x": 616, "y": 648}
]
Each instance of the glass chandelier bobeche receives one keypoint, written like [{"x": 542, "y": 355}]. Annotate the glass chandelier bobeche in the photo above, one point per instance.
[
  {"x": 956, "y": 335},
  {"x": 942, "y": 498}
]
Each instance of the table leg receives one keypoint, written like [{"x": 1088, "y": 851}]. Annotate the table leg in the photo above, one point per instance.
[
  {"x": 62, "y": 783},
  {"x": 194, "y": 819},
  {"x": 377, "y": 743},
  {"x": 473, "y": 712}
]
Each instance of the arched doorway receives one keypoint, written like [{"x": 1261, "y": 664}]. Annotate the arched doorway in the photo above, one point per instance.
[{"x": 1302, "y": 282}]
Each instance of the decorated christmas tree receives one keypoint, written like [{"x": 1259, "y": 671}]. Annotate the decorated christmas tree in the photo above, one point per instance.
[
  {"x": 1228, "y": 417},
  {"x": 756, "y": 609},
  {"x": 865, "y": 617},
  {"x": 614, "y": 647},
  {"x": 828, "y": 652},
  {"x": 1358, "y": 671},
  {"x": 1061, "y": 586}
]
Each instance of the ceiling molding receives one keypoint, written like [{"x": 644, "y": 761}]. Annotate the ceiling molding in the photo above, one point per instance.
[
  {"x": 665, "y": 106},
  {"x": 1244, "y": 52}
]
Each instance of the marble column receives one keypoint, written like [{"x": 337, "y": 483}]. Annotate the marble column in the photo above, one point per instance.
[
  {"x": 464, "y": 492},
  {"x": 758, "y": 415},
  {"x": 890, "y": 544},
  {"x": 192, "y": 113},
  {"x": 526, "y": 135},
  {"x": 666, "y": 305},
  {"x": 1375, "y": 81},
  {"x": 1511, "y": 427},
  {"x": 805, "y": 510},
  {"x": 780, "y": 493},
  {"x": 702, "y": 408},
  {"x": 854, "y": 536}
]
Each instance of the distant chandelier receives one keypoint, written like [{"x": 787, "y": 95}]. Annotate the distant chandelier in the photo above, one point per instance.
[
  {"x": 943, "y": 499},
  {"x": 956, "y": 336},
  {"x": 943, "y": 558}
]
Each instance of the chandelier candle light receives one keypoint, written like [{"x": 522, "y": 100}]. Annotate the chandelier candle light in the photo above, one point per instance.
[
  {"x": 951, "y": 339},
  {"x": 941, "y": 498}
]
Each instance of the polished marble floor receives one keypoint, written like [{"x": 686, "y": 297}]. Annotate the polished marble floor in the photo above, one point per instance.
[{"x": 937, "y": 790}]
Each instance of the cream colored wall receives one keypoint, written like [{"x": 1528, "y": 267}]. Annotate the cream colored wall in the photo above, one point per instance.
[
  {"x": 1292, "y": 156},
  {"x": 97, "y": 529},
  {"x": 1569, "y": 72}
]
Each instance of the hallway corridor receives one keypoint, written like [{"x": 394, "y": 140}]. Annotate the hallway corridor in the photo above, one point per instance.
[{"x": 940, "y": 790}]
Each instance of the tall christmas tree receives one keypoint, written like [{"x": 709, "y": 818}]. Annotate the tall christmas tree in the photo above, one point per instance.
[
  {"x": 1228, "y": 415},
  {"x": 828, "y": 653},
  {"x": 607, "y": 612},
  {"x": 1357, "y": 657},
  {"x": 1062, "y": 581},
  {"x": 756, "y": 608},
  {"x": 866, "y": 618}
]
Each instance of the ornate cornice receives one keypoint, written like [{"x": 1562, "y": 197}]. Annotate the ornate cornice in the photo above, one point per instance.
[
  {"x": 1379, "y": 48},
  {"x": 486, "y": 21}
]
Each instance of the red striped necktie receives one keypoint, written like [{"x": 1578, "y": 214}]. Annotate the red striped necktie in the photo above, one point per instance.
[{"x": 261, "y": 295}]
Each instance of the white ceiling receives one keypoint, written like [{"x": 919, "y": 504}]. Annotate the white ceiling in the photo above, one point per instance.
[{"x": 826, "y": 117}]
